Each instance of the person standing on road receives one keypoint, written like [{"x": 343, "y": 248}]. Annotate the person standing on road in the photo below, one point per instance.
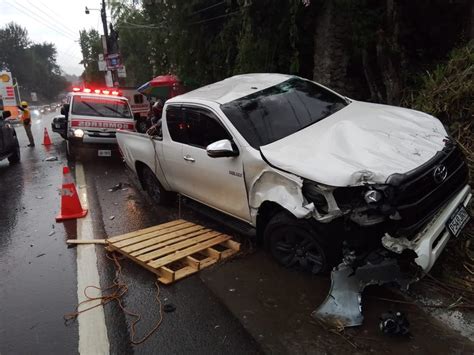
[{"x": 26, "y": 120}]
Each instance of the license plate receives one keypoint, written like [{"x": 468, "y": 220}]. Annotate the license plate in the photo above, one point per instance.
[
  {"x": 105, "y": 153},
  {"x": 458, "y": 220}
]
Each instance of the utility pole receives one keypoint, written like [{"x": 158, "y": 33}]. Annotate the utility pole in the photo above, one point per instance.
[
  {"x": 103, "y": 15},
  {"x": 109, "y": 44}
]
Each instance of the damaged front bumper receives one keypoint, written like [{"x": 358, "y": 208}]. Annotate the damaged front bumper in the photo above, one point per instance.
[
  {"x": 430, "y": 242},
  {"x": 342, "y": 307}
]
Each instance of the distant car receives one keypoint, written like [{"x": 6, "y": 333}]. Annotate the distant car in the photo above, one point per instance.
[
  {"x": 35, "y": 111},
  {"x": 9, "y": 146}
]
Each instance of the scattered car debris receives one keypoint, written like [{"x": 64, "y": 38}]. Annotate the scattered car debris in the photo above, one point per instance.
[
  {"x": 51, "y": 159},
  {"x": 112, "y": 217},
  {"x": 39, "y": 197},
  {"x": 342, "y": 306},
  {"x": 40, "y": 255},
  {"x": 120, "y": 186},
  {"x": 394, "y": 324},
  {"x": 51, "y": 233},
  {"x": 168, "y": 308}
]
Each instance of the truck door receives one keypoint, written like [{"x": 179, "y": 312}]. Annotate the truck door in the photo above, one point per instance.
[
  {"x": 216, "y": 182},
  {"x": 174, "y": 165}
]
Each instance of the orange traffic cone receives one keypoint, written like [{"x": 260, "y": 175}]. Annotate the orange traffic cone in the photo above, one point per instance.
[
  {"x": 46, "y": 140},
  {"x": 70, "y": 205}
]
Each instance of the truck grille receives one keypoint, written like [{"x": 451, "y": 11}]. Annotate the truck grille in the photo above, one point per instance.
[
  {"x": 101, "y": 134},
  {"x": 420, "y": 193}
]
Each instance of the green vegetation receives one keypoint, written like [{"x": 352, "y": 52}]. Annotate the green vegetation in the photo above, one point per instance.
[
  {"x": 33, "y": 64},
  {"x": 447, "y": 91},
  {"x": 91, "y": 47}
]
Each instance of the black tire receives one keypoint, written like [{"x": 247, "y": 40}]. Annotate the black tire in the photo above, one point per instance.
[
  {"x": 155, "y": 190},
  {"x": 71, "y": 152},
  {"x": 15, "y": 157},
  {"x": 296, "y": 243}
]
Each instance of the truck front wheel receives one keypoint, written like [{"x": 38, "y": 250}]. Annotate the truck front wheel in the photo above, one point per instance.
[
  {"x": 154, "y": 189},
  {"x": 295, "y": 243}
]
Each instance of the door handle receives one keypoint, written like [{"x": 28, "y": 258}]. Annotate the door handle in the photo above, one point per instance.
[{"x": 189, "y": 158}]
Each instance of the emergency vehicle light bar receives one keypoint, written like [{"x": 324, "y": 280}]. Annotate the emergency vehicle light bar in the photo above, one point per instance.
[{"x": 97, "y": 91}]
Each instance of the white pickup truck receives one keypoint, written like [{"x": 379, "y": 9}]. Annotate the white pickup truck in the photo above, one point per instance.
[{"x": 316, "y": 174}]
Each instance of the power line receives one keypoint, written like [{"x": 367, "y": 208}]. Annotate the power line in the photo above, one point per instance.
[
  {"x": 53, "y": 11},
  {"x": 56, "y": 22},
  {"x": 141, "y": 25},
  {"x": 218, "y": 17},
  {"x": 207, "y": 8},
  {"x": 32, "y": 16}
]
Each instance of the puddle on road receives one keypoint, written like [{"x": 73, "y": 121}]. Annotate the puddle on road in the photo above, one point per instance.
[{"x": 274, "y": 305}]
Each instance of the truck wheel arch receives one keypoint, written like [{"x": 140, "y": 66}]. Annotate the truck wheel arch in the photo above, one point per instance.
[
  {"x": 139, "y": 166},
  {"x": 265, "y": 213}
]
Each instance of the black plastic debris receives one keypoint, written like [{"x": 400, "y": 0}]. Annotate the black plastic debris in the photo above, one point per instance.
[
  {"x": 394, "y": 324},
  {"x": 168, "y": 308}
]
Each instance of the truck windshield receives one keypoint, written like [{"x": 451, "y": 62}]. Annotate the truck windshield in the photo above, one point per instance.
[
  {"x": 281, "y": 110},
  {"x": 101, "y": 107}
]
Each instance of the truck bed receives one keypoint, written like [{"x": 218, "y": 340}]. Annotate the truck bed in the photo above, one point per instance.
[{"x": 140, "y": 149}]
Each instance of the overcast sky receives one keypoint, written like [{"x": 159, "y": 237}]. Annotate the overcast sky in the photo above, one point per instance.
[{"x": 56, "y": 21}]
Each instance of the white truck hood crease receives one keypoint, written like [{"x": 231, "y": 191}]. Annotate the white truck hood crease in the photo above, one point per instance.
[{"x": 361, "y": 143}]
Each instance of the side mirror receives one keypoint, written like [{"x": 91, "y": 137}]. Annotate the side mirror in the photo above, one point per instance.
[
  {"x": 6, "y": 114},
  {"x": 222, "y": 148},
  {"x": 65, "y": 110}
]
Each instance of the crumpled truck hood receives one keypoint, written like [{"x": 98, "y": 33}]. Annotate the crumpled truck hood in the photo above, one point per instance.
[{"x": 361, "y": 143}]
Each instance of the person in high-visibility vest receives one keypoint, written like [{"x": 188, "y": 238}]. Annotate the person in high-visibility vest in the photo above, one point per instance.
[{"x": 26, "y": 120}]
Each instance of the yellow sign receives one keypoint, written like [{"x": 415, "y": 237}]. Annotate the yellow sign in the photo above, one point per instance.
[{"x": 5, "y": 78}]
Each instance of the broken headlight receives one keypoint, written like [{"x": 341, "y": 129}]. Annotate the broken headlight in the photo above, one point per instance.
[
  {"x": 313, "y": 194},
  {"x": 373, "y": 196}
]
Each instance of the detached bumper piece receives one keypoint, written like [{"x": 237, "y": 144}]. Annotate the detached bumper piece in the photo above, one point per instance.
[{"x": 342, "y": 307}]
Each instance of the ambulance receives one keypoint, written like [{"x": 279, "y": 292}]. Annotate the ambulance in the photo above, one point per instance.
[{"x": 90, "y": 119}]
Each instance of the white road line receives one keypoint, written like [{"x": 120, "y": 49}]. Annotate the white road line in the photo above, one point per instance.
[{"x": 92, "y": 329}]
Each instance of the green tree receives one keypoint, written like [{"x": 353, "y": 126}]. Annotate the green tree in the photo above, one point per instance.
[
  {"x": 32, "y": 64},
  {"x": 91, "y": 47}
]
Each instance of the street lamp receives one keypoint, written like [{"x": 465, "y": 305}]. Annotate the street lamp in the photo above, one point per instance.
[{"x": 88, "y": 11}]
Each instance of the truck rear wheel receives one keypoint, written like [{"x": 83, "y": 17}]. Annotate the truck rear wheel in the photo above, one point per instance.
[
  {"x": 15, "y": 157},
  {"x": 295, "y": 243},
  {"x": 155, "y": 190}
]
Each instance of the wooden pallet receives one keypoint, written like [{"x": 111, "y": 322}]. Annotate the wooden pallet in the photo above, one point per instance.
[{"x": 175, "y": 249}]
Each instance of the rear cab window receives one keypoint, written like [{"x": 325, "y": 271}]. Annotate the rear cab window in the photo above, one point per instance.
[{"x": 101, "y": 107}]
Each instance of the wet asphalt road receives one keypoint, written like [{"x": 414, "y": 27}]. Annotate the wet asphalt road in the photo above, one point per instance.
[
  {"x": 38, "y": 272},
  {"x": 244, "y": 306}
]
